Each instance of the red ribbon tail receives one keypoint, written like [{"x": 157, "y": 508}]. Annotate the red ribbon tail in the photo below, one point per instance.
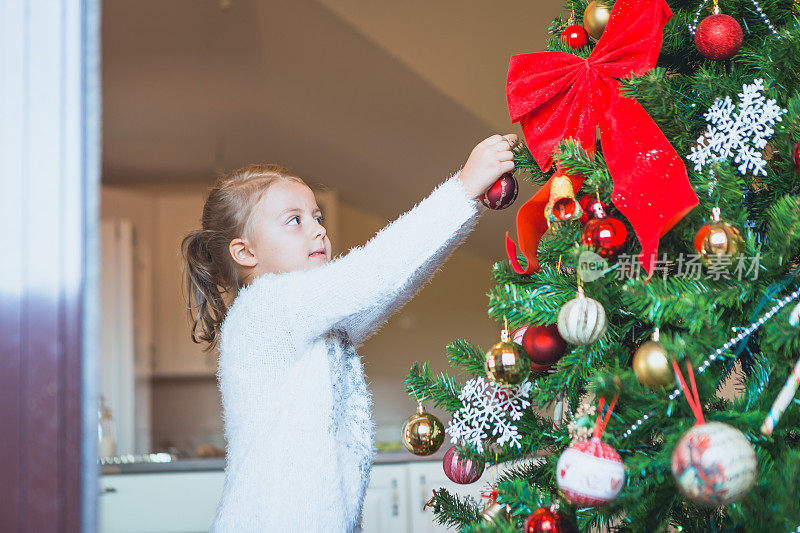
[
  {"x": 511, "y": 251},
  {"x": 651, "y": 187},
  {"x": 531, "y": 225}
]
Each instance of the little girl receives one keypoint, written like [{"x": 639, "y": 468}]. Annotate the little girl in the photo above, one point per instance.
[{"x": 295, "y": 406}]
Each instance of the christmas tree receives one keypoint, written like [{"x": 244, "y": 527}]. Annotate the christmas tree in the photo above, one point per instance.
[{"x": 655, "y": 269}]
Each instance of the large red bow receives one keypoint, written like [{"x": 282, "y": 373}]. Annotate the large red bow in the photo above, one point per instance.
[{"x": 558, "y": 95}]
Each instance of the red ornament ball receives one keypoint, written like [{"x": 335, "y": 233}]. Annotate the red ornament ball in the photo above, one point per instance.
[
  {"x": 575, "y": 36},
  {"x": 796, "y": 157},
  {"x": 547, "y": 520},
  {"x": 606, "y": 236},
  {"x": 461, "y": 470},
  {"x": 502, "y": 194},
  {"x": 590, "y": 473},
  {"x": 718, "y": 37},
  {"x": 590, "y": 204},
  {"x": 544, "y": 345}
]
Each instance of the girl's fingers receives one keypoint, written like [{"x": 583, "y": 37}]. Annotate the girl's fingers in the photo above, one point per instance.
[
  {"x": 511, "y": 138},
  {"x": 506, "y": 155},
  {"x": 506, "y": 166}
]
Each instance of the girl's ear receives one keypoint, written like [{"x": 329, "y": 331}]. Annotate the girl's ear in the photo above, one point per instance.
[{"x": 241, "y": 253}]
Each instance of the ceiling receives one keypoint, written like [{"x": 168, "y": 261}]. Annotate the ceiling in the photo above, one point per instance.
[{"x": 377, "y": 100}]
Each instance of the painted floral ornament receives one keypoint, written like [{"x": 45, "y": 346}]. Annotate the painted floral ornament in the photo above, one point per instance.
[{"x": 713, "y": 463}]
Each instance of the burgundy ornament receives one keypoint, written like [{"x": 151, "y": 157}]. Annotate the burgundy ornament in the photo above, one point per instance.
[
  {"x": 544, "y": 345},
  {"x": 575, "y": 35},
  {"x": 588, "y": 203},
  {"x": 718, "y": 37},
  {"x": 605, "y": 235},
  {"x": 461, "y": 470},
  {"x": 502, "y": 194},
  {"x": 547, "y": 520},
  {"x": 796, "y": 157}
]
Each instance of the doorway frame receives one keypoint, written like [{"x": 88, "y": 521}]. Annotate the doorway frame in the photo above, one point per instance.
[{"x": 49, "y": 302}]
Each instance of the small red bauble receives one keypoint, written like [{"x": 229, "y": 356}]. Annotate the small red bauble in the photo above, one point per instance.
[
  {"x": 544, "y": 345},
  {"x": 718, "y": 37},
  {"x": 502, "y": 194},
  {"x": 589, "y": 204},
  {"x": 605, "y": 235},
  {"x": 461, "y": 470},
  {"x": 590, "y": 473},
  {"x": 796, "y": 157},
  {"x": 547, "y": 520},
  {"x": 575, "y": 36}
]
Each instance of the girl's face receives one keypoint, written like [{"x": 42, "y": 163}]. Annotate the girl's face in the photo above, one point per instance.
[{"x": 286, "y": 232}]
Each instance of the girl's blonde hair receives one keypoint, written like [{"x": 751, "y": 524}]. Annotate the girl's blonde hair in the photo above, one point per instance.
[{"x": 209, "y": 270}]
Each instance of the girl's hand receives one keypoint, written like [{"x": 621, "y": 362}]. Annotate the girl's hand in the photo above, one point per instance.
[{"x": 489, "y": 160}]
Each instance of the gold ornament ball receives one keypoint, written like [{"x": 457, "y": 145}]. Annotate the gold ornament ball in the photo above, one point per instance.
[
  {"x": 721, "y": 239},
  {"x": 423, "y": 433},
  {"x": 595, "y": 18},
  {"x": 507, "y": 363},
  {"x": 651, "y": 364}
]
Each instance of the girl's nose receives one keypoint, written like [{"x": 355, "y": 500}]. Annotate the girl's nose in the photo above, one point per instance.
[{"x": 321, "y": 231}]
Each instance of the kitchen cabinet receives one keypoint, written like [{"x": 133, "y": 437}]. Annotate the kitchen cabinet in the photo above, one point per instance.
[
  {"x": 175, "y": 353},
  {"x": 386, "y": 501},
  {"x": 170, "y": 502}
]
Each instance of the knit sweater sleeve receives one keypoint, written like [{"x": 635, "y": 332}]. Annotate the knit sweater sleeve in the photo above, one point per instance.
[{"x": 358, "y": 291}]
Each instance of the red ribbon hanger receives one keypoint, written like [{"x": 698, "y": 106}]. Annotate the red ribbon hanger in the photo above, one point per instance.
[
  {"x": 602, "y": 421},
  {"x": 692, "y": 398},
  {"x": 556, "y": 96}
]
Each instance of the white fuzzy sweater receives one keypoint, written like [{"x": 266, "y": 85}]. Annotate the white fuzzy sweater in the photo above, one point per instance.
[{"x": 295, "y": 406}]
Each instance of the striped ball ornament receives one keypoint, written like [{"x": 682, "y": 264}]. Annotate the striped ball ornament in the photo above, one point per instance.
[
  {"x": 590, "y": 473},
  {"x": 582, "y": 320},
  {"x": 461, "y": 470}
]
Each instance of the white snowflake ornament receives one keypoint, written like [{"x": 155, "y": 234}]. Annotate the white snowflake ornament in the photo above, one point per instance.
[
  {"x": 489, "y": 409},
  {"x": 740, "y": 131}
]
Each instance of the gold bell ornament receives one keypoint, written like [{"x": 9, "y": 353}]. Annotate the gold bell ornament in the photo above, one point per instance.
[
  {"x": 507, "y": 363},
  {"x": 423, "y": 433},
  {"x": 493, "y": 510},
  {"x": 595, "y": 18},
  {"x": 562, "y": 205},
  {"x": 718, "y": 239},
  {"x": 651, "y": 363}
]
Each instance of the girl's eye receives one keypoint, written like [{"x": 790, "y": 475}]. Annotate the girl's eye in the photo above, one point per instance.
[{"x": 320, "y": 218}]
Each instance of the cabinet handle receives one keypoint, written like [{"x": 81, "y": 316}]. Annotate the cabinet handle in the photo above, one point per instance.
[
  {"x": 395, "y": 498},
  {"x": 423, "y": 495},
  {"x": 107, "y": 490}
]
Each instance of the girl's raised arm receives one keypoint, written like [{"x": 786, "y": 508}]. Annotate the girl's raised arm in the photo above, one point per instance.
[{"x": 361, "y": 289}]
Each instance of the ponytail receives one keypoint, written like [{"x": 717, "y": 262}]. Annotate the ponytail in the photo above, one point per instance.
[{"x": 206, "y": 306}]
